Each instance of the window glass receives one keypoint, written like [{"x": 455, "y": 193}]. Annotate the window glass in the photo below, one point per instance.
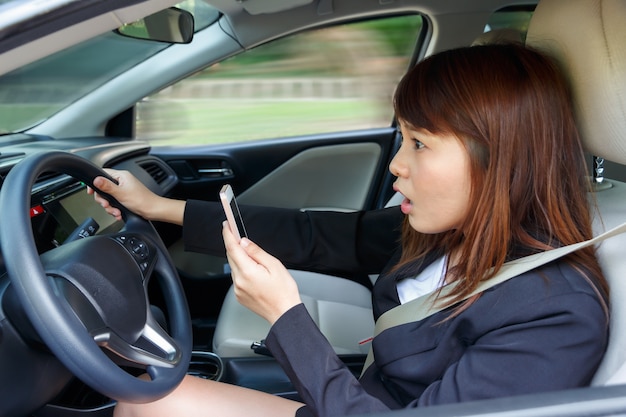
[
  {"x": 333, "y": 79},
  {"x": 514, "y": 17},
  {"x": 203, "y": 14},
  {"x": 34, "y": 92}
]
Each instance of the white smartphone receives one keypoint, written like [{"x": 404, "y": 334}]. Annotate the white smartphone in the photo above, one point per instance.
[{"x": 231, "y": 209}]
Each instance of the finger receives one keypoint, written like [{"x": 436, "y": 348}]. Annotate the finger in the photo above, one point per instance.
[
  {"x": 255, "y": 252},
  {"x": 102, "y": 201},
  {"x": 115, "y": 212},
  {"x": 103, "y": 184},
  {"x": 229, "y": 239},
  {"x": 234, "y": 251},
  {"x": 240, "y": 262}
]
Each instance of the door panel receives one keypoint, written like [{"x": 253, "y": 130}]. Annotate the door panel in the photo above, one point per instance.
[
  {"x": 342, "y": 171},
  {"x": 334, "y": 177}
]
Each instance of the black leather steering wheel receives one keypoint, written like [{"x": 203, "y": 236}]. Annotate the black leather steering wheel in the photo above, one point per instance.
[{"x": 88, "y": 299}]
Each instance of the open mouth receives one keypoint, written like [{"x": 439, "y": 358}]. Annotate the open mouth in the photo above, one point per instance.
[{"x": 406, "y": 206}]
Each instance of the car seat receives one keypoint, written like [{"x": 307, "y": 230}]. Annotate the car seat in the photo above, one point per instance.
[
  {"x": 341, "y": 308},
  {"x": 587, "y": 39}
]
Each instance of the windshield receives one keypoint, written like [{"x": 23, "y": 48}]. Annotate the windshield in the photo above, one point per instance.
[{"x": 31, "y": 94}]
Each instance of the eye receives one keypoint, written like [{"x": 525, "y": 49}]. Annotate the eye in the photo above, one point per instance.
[{"x": 418, "y": 144}]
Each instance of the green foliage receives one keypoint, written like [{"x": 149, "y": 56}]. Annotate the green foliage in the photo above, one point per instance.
[
  {"x": 390, "y": 37},
  {"x": 398, "y": 33}
]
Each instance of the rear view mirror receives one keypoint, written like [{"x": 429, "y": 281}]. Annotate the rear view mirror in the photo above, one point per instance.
[{"x": 170, "y": 25}]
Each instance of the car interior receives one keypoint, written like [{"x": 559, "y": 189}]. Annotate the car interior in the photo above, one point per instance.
[{"x": 50, "y": 367}]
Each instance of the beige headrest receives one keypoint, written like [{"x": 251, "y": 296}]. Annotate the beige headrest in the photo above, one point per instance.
[{"x": 588, "y": 37}]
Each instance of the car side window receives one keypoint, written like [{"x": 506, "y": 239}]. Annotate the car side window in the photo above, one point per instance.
[
  {"x": 513, "y": 17},
  {"x": 333, "y": 79}
]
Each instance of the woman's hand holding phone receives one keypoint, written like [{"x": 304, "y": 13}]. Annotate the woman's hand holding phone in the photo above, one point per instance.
[{"x": 261, "y": 282}]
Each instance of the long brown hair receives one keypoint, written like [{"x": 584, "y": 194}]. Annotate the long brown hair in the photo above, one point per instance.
[{"x": 511, "y": 107}]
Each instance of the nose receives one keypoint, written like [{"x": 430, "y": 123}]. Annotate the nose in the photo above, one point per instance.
[{"x": 396, "y": 166}]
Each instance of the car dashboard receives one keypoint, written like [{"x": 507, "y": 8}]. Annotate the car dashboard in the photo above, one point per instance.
[{"x": 60, "y": 204}]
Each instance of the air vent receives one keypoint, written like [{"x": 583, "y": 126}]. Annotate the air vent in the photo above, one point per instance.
[{"x": 155, "y": 170}]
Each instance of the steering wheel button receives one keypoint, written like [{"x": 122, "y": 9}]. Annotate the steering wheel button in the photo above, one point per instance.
[{"x": 139, "y": 248}]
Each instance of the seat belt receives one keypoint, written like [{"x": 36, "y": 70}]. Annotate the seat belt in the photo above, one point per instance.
[{"x": 425, "y": 306}]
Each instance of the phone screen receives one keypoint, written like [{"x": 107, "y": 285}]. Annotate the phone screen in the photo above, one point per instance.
[
  {"x": 238, "y": 220},
  {"x": 231, "y": 209}
]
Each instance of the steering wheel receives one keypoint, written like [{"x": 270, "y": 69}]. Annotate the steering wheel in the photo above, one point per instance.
[{"x": 88, "y": 299}]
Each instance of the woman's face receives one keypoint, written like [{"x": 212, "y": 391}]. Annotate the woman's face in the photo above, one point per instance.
[{"x": 434, "y": 176}]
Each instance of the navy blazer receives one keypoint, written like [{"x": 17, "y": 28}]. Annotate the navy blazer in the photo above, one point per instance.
[{"x": 543, "y": 330}]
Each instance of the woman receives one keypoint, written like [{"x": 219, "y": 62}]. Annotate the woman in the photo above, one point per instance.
[{"x": 486, "y": 166}]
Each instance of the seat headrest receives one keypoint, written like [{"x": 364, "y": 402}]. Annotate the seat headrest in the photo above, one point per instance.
[{"x": 587, "y": 38}]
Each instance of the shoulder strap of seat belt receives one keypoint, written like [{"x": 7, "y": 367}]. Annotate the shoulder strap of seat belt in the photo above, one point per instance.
[{"x": 426, "y": 305}]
